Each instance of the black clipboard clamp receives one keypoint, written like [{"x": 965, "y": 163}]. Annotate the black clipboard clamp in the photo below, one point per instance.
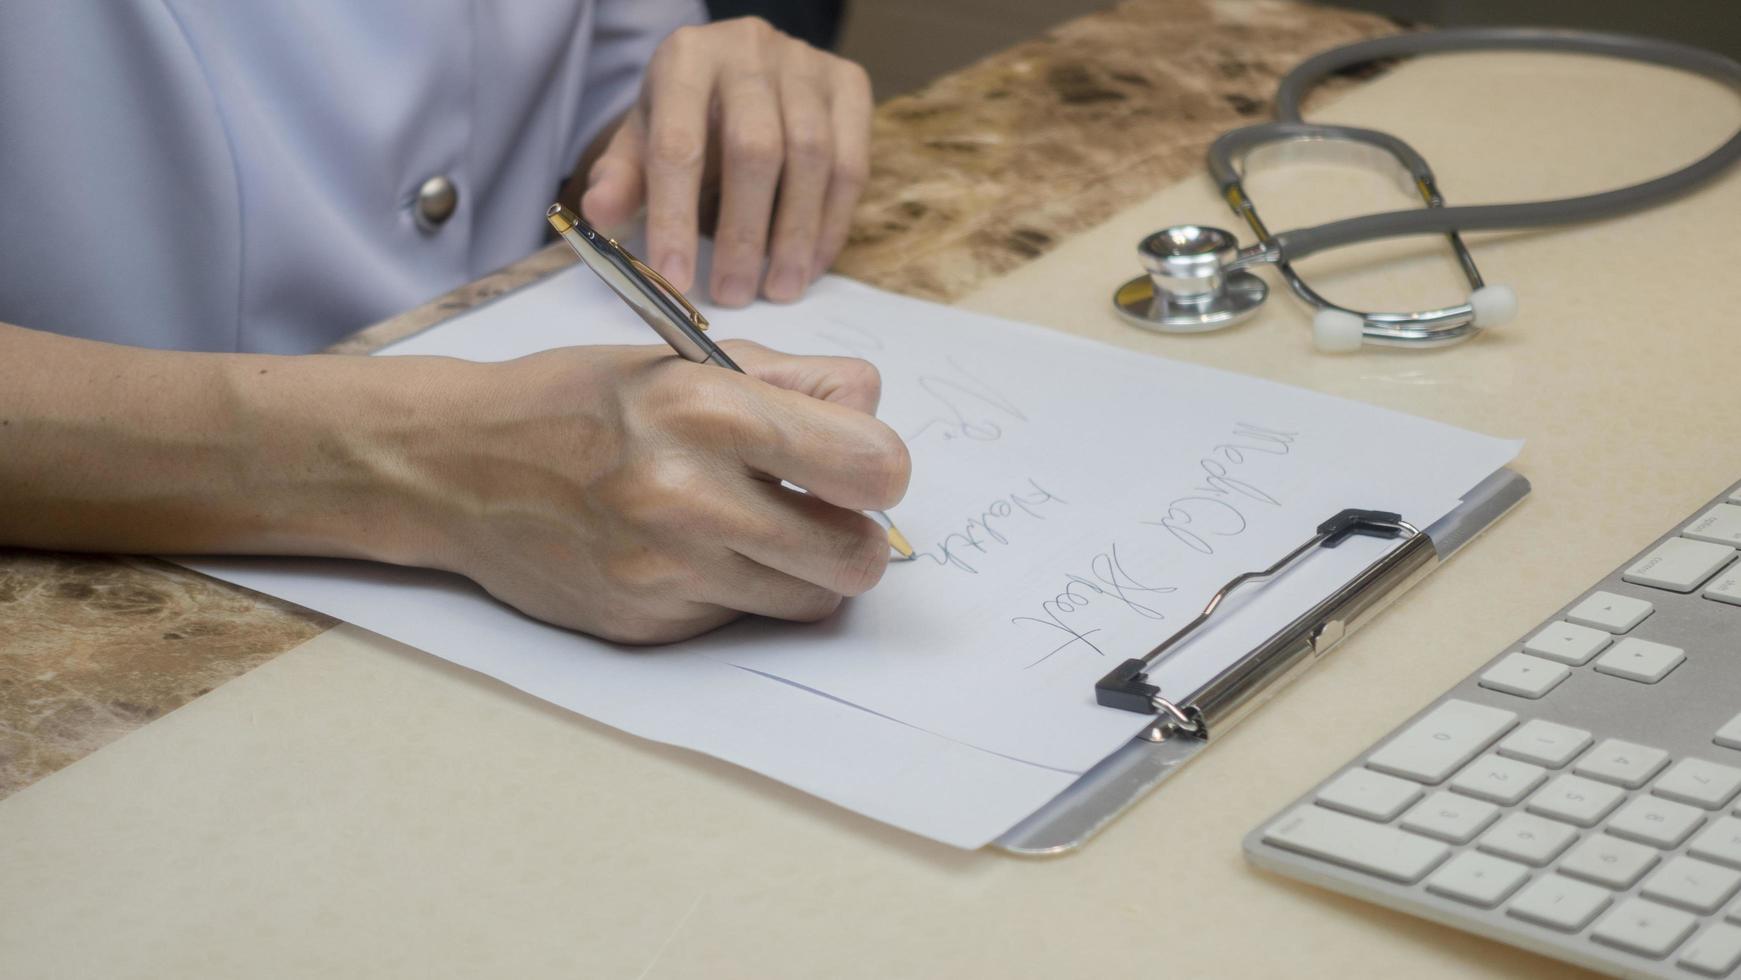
[
  {"x": 1127, "y": 688},
  {"x": 1182, "y": 726}
]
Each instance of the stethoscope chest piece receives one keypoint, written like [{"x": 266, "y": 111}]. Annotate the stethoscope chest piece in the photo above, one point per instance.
[{"x": 1188, "y": 288}]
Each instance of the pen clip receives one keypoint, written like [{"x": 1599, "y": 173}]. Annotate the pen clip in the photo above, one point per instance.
[{"x": 646, "y": 270}]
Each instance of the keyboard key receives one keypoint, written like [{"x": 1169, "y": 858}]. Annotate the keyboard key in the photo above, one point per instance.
[
  {"x": 1450, "y": 817},
  {"x": 1640, "y": 660},
  {"x": 1697, "y": 886},
  {"x": 1622, "y": 763},
  {"x": 1498, "y": 780},
  {"x": 1611, "y": 612},
  {"x": 1527, "y": 838},
  {"x": 1679, "y": 564},
  {"x": 1734, "y": 913},
  {"x": 1726, "y": 587},
  {"x": 1721, "y": 842},
  {"x": 1576, "y": 800},
  {"x": 1645, "y": 928},
  {"x": 1547, "y": 744},
  {"x": 1729, "y": 736},
  {"x": 1700, "y": 783},
  {"x": 1356, "y": 843},
  {"x": 1568, "y": 643},
  {"x": 1524, "y": 675},
  {"x": 1369, "y": 794},
  {"x": 1609, "y": 861},
  {"x": 1720, "y": 525},
  {"x": 1716, "y": 951},
  {"x": 1442, "y": 741},
  {"x": 1660, "y": 823},
  {"x": 1477, "y": 879},
  {"x": 1559, "y": 903}
]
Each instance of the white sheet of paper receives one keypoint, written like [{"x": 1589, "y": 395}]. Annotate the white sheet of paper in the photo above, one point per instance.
[{"x": 1073, "y": 505}]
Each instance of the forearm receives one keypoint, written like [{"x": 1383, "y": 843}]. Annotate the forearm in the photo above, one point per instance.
[
  {"x": 109, "y": 448},
  {"x": 619, "y": 490}
]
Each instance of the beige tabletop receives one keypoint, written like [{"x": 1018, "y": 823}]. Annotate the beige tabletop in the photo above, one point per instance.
[{"x": 356, "y": 808}]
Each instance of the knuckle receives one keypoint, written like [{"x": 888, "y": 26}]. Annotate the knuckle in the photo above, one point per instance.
[
  {"x": 652, "y": 499},
  {"x": 743, "y": 350},
  {"x": 737, "y": 240},
  {"x": 862, "y": 375},
  {"x": 754, "y": 27},
  {"x": 677, "y": 149},
  {"x": 757, "y": 149},
  {"x": 854, "y": 81},
  {"x": 702, "y": 416},
  {"x": 642, "y": 571},
  {"x": 809, "y": 146},
  {"x": 888, "y": 467},
  {"x": 851, "y": 172},
  {"x": 725, "y": 415},
  {"x": 682, "y": 39},
  {"x": 862, "y": 560}
]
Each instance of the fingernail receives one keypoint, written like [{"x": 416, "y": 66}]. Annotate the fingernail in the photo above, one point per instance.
[
  {"x": 674, "y": 266},
  {"x": 785, "y": 283},
  {"x": 735, "y": 291}
]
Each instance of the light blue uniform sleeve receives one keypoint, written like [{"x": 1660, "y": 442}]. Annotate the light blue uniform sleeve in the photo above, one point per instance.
[
  {"x": 207, "y": 175},
  {"x": 119, "y": 206}
]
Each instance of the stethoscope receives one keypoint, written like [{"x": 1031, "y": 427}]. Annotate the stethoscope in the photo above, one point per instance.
[{"x": 1198, "y": 278}]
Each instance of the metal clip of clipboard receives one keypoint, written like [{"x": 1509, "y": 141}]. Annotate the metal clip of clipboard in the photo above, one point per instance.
[{"x": 1183, "y": 726}]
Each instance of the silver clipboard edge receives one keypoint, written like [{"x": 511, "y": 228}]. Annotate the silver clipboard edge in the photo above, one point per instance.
[{"x": 1123, "y": 778}]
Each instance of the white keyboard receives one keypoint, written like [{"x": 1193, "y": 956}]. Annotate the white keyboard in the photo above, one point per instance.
[{"x": 1580, "y": 794}]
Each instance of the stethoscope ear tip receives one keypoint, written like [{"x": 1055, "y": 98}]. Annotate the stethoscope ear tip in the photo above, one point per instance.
[
  {"x": 1337, "y": 331},
  {"x": 1493, "y": 306}
]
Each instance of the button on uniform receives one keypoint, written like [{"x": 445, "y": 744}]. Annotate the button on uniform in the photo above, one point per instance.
[{"x": 437, "y": 199}]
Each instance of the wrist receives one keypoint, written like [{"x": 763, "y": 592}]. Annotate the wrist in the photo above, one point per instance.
[{"x": 347, "y": 456}]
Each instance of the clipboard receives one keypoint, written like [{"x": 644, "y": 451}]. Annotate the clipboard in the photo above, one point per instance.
[{"x": 1185, "y": 726}]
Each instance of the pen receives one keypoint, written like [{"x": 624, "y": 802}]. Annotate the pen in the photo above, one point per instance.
[{"x": 667, "y": 311}]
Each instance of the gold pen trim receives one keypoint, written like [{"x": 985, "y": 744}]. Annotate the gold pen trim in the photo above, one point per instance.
[
  {"x": 564, "y": 221},
  {"x": 644, "y": 269}
]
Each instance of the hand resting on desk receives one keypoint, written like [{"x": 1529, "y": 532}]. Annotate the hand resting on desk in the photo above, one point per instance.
[
  {"x": 616, "y": 490},
  {"x": 779, "y": 130}
]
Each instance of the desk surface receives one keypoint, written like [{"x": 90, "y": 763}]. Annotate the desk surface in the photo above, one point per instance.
[{"x": 354, "y": 807}]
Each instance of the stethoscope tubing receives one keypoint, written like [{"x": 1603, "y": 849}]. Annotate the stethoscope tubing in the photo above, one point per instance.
[{"x": 1298, "y": 243}]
